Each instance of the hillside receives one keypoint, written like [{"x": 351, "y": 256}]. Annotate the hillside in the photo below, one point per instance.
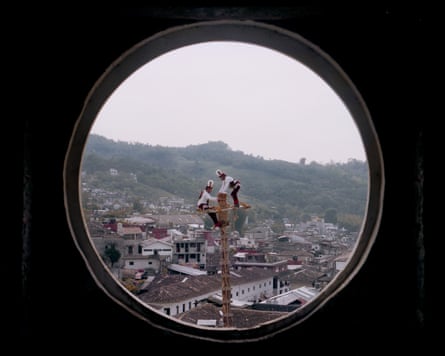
[{"x": 277, "y": 189}]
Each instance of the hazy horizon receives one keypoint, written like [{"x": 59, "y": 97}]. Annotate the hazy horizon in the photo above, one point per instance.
[{"x": 255, "y": 99}]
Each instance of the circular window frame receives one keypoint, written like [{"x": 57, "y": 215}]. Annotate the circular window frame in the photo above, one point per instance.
[{"x": 249, "y": 32}]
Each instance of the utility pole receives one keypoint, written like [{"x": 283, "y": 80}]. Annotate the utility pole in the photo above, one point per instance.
[{"x": 226, "y": 289}]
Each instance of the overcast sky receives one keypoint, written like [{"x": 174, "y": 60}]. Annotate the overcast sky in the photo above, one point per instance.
[{"x": 255, "y": 99}]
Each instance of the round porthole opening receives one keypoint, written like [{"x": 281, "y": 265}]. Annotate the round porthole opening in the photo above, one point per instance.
[{"x": 251, "y": 274}]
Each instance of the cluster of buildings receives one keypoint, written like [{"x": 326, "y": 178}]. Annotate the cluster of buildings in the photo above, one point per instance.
[{"x": 172, "y": 263}]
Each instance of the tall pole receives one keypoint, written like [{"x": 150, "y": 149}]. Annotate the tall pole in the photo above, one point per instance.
[{"x": 226, "y": 290}]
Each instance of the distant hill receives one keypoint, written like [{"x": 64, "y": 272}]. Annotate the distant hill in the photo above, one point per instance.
[{"x": 276, "y": 188}]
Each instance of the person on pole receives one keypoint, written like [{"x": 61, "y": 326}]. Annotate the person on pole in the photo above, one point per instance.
[
  {"x": 205, "y": 197},
  {"x": 229, "y": 183}
]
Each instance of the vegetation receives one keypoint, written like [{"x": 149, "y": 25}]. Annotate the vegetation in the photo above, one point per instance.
[
  {"x": 112, "y": 254},
  {"x": 277, "y": 189}
]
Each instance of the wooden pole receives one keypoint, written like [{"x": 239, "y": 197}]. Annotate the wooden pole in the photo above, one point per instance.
[{"x": 226, "y": 290}]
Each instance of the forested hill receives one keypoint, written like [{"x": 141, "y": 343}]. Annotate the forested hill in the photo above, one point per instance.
[{"x": 272, "y": 186}]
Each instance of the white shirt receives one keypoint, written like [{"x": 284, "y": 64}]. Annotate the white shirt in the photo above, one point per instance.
[
  {"x": 205, "y": 198},
  {"x": 225, "y": 184}
]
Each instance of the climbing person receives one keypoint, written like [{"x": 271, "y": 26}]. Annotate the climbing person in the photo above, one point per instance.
[
  {"x": 228, "y": 182},
  {"x": 205, "y": 197}
]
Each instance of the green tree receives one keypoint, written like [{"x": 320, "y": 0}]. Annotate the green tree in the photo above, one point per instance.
[
  {"x": 350, "y": 222},
  {"x": 278, "y": 227},
  {"x": 330, "y": 216},
  {"x": 137, "y": 206},
  {"x": 305, "y": 217},
  {"x": 112, "y": 254}
]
